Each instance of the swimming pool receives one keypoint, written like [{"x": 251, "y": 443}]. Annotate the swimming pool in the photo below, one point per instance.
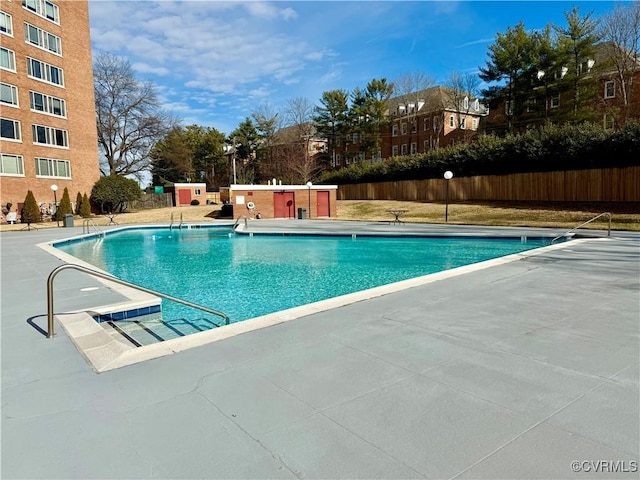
[{"x": 247, "y": 276}]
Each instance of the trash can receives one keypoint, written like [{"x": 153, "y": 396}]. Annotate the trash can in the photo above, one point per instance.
[
  {"x": 226, "y": 211},
  {"x": 302, "y": 213},
  {"x": 68, "y": 220}
]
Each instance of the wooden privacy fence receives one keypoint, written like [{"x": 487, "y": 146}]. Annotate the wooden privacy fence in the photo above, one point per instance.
[{"x": 598, "y": 185}]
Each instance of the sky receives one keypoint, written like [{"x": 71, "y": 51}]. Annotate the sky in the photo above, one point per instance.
[{"x": 216, "y": 62}]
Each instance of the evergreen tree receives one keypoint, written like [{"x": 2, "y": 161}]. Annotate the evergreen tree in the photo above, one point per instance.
[
  {"x": 331, "y": 117},
  {"x": 85, "y": 209},
  {"x": 510, "y": 59},
  {"x": 78, "y": 203},
  {"x": 65, "y": 205},
  {"x": 378, "y": 93},
  {"x": 30, "y": 210},
  {"x": 576, "y": 43}
]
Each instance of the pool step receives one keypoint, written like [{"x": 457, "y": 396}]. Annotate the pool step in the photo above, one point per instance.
[{"x": 146, "y": 332}]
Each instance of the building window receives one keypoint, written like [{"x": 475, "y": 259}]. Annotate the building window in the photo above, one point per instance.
[
  {"x": 7, "y": 59},
  {"x": 609, "y": 89},
  {"x": 508, "y": 107},
  {"x": 11, "y": 165},
  {"x": 414, "y": 127},
  {"x": 6, "y": 24},
  {"x": 338, "y": 142},
  {"x": 609, "y": 122},
  {"x": 404, "y": 129},
  {"x": 8, "y": 94},
  {"x": 426, "y": 124},
  {"x": 47, "y": 104},
  {"x": 51, "y": 167},
  {"x": 42, "y": 39},
  {"x": 43, "y": 8},
  {"x": 55, "y": 137},
  {"x": 465, "y": 104},
  {"x": 426, "y": 145},
  {"x": 10, "y": 129},
  {"x": 474, "y": 123},
  {"x": 346, "y": 160},
  {"x": 394, "y": 130},
  {"x": 197, "y": 191},
  {"x": 404, "y": 149},
  {"x": 435, "y": 123},
  {"x": 337, "y": 159},
  {"x": 414, "y": 148},
  {"x": 45, "y": 72},
  {"x": 394, "y": 151},
  {"x": 476, "y": 104},
  {"x": 451, "y": 121},
  {"x": 463, "y": 123},
  {"x": 555, "y": 101},
  {"x": 355, "y": 138}
]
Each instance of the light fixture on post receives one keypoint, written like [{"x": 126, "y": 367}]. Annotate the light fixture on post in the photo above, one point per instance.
[
  {"x": 448, "y": 175},
  {"x": 54, "y": 187},
  {"x": 309, "y": 185}
]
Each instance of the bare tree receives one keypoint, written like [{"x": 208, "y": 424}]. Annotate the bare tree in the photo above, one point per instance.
[
  {"x": 461, "y": 92},
  {"x": 299, "y": 116},
  {"x": 129, "y": 118},
  {"x": 267, "y": 121},
  {"x": 621, "y": 28},
  {"x": 409, "y": 88}
]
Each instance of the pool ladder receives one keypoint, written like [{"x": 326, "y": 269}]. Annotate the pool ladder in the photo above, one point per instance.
[
  {"x": 241, "y": 217},
  {"x": 111, "y": 278},
  {"x": 172, "y": 222},
  {"x": 87, "y": 223},
  {"x": 568, "y": 232}
]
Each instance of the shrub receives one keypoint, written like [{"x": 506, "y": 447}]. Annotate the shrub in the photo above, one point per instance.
[
  {"x": 65, "y": 206},
  {"x": 112, "y": 193},
  {"x": 195, "y": 201},
  {"x": 85, "y": 208},
  {"x": 30, "y": 210},
  {"x": 552, "y": 147},
  {"x": 78, "y": 203}
]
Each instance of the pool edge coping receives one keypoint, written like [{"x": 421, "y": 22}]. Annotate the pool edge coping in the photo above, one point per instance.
[{"x": 104, "y": 352}]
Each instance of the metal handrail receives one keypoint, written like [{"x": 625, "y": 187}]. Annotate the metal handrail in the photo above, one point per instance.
[
  {"x": 179, "y": 225},
  {"x": 87, "y": 223},
  {"x": 238, "y": 221},
  {"x": 95, "y": 273},
  {"x": 585, "y": 223}
]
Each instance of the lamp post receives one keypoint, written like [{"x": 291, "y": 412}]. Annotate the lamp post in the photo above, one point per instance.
[
  {"x": 54, "y": 187},
  {"x": 448, "y": 175},
  {"x": 309, "y": 185}
]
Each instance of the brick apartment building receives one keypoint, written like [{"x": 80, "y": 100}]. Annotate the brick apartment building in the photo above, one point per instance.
[
  {"x": 429, "y": 119},
  {"x": 554, "y": 102},
  {"x": 48, "y": 131}
]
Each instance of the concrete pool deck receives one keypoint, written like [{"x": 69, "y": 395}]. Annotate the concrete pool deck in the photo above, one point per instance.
[{"x": 513, "y": 371}]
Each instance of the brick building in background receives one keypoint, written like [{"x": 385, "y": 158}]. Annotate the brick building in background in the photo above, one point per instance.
[{"x": 48, "y": 131}]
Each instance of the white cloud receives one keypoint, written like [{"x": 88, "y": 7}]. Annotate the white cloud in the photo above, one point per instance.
[{"x": 146, "y": 68}]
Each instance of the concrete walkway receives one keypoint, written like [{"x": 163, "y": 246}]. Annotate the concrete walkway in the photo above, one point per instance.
[{"x": 513, "y": 371}]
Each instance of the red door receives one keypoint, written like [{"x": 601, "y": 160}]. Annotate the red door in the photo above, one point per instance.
[
  {"x": 184, "y": 197},
  {"x": 322, "y": 204},
  {"x": 283, "y": 205}
]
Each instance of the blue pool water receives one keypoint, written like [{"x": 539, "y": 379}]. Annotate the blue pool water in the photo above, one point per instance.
[{"x": 248, "y": 276}]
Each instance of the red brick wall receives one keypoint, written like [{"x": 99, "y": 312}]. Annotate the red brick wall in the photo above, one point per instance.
[
  {"x": 80, "y": 123},
  {"x": 264, "y": 202}
]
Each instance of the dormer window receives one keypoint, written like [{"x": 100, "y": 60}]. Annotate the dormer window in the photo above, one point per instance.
[
  {"x": 476, "y": 105},
  {"x": 465, "y": 103}
]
